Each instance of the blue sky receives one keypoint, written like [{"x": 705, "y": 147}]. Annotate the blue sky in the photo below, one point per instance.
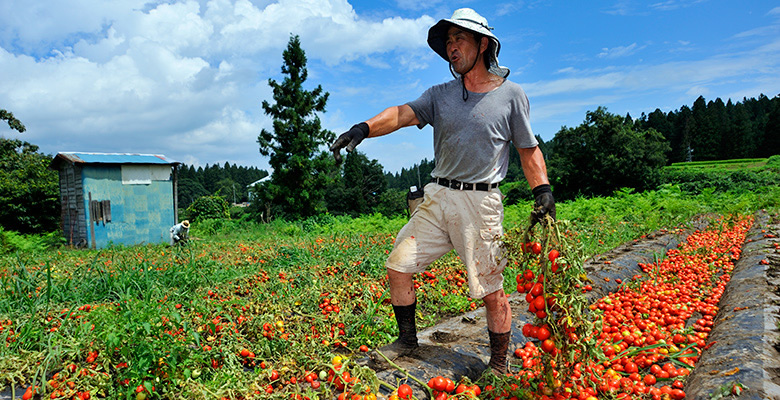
[{"x": 186, "y": 78}]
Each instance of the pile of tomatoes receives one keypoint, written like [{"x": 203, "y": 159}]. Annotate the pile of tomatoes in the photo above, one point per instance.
[
  {"x": 647, "y": 336},
  {"x": 441, "y": 388}
]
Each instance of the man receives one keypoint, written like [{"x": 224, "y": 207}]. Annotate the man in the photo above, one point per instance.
[
  {"x": 475, "y": 118},
  {"x": 180, "y": 231}
]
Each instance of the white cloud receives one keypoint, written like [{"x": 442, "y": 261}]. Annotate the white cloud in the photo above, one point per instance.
[
  {"x": 548, "y": 111},
  {"x": 126, "y": 76},
  {"x": 696, "y": 91},
  {"x": 508, "y": 8},
  {"x": 621, "y": 8},
  {"x": 417, "y": 4},
  {"x": 687, "y": 73},
  {"x": 752, "y": 71},
  {"x": 231, "y": 137},
  {"x": 670, "y": 5},
  {"x": 620, "y": 51},
  {"x": 566, "y": 70}
]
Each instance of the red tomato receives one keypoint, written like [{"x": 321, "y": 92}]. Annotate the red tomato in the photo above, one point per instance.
[
  {"x": 539, "y": 303},
  {"x": 631, "y": 367},
  {"x": 527, "y": 330},
  {"x": 543, "y": 333},
  {"x": 553, "y": 255},
  {"x": 537, "y": 289},
  {"x": 528, "y": 275},
  {"x": 405, "y": 391},
  {"x": 536, "y": 248},
  {"x": 28, "y": 394},
  {"x": 450, "y": 385},
  {"x": 438, "y": 383},
  {"x": 548, "y": 346}
]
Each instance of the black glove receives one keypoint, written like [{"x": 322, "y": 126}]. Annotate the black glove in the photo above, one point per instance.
[
  {"x": 544, "y": 204},
  {"x": 349, "y": 140}
]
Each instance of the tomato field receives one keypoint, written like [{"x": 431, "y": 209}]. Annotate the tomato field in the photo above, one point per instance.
[{"x": 288, "y": 310}]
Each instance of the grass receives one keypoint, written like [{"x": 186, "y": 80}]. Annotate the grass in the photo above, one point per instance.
[
  {"x": 178, "y": 317},
  {"x": 744, "y": 163}
]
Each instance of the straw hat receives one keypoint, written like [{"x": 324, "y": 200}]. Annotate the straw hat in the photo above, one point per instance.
[
  {"x": 186, "y": 224},
  {"x": 468, "y": 19}
]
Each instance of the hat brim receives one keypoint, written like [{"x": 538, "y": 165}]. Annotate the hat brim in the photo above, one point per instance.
[
  {"x": 437, "y": 40},
  {"x": 437, "y": 35}
]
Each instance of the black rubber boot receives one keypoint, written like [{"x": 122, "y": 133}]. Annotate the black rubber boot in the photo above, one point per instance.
[
  {"x": 499, "y": 344},
  {"x": 406, "y": 343}
]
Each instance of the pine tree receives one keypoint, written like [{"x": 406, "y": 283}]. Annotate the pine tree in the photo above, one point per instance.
[{"x": 298, "y": 183}]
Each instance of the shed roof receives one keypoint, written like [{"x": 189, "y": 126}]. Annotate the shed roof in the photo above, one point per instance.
[{"x": 110, "y": 158}]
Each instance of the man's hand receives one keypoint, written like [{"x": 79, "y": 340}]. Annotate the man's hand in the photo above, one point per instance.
[
  {"x": 544, "y": 204},
  {"x": 349, "y": 140}
]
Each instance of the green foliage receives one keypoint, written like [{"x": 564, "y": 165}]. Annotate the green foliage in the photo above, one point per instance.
[
  {"x": 730, "y": 175},
  {"x": 11, "y": 242},
  {"x": 230, "y": 181},
  {"x": 208, "y": 207},
  {"x": 29, "y": 192},
  {"x": 300, "y": 175},
  {"x": 714, "y": 130},
  {"x": 229, "y": 189},
  {"x": 359, "y": 190},
  {"x": 417, "y": 175},
  {"x": 516, "y": 192},
  {"x": 392, "y": 202},
  {"x": 773, "y": 163},
  {"x": 188, "y": 190},
  {"x": 13, "y": 123},
  {"x": 727, "y": 164},
  {"x": 604, "y": 154}
]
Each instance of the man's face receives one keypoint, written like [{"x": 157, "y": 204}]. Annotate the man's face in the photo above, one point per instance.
[{"x": 462, "y": 49}]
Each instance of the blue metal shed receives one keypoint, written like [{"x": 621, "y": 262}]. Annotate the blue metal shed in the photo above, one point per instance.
[{"x": 116, "y": 198}]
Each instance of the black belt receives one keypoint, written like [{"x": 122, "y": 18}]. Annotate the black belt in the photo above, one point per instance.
[{"x": 453, "y": 184}]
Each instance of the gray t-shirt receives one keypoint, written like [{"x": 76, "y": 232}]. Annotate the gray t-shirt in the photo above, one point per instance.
[{"x": 472, "y": 139}]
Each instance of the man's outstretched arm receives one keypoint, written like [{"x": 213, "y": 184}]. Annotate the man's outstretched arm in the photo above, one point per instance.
[{"x": 389, "y": 120}]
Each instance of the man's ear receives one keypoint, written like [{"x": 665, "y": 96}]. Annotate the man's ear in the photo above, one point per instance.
[{"x": 483, "y": 44}]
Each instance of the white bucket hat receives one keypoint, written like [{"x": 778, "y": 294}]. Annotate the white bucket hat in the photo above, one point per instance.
[{"x": 468, "y": 19}]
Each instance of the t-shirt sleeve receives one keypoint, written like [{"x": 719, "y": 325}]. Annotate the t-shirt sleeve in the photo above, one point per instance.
[
  {"x": 423, "y": 108},
  {"x": 522, "y": 135}
]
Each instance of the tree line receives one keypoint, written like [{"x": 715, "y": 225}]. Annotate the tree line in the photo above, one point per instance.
[
  {"x": 229, "y": 181},
  {"x": 716, "y": 130}
]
